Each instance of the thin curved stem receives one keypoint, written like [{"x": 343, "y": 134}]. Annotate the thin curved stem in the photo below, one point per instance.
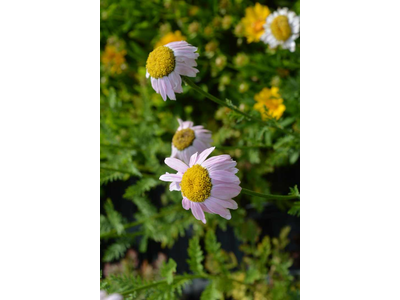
[
  {"x": 271, "y": 197},
  {"x": 223, "y": 103}
]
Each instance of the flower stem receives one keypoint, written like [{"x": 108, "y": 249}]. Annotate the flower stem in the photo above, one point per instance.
[
  {"x": 223, "y": 103},
  {"x": 271, "y": 197}
]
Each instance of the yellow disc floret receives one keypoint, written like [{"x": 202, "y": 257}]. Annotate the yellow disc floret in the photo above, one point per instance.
[
  {"x": 196, "y": 184},
  {"x": 280, "y": 28},
  {"x": 183, "y": 138},
  {"x": 161, "y": 62}
]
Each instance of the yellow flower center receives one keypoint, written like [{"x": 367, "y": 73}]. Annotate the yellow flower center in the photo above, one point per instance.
[
  {"x": 196, "y": 184},
  {"x": 280, "y": 28},
  {"x": 161, "y": 62},
  {"x": 183, "y": 138}
]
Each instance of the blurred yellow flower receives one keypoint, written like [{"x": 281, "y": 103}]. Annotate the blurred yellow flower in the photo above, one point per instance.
[
  {"x": 169, "y": 38},
  {"x": 253, "y": 22},
  {"x": 113, "y": 59},
  {"x": 271, "y": 99}
]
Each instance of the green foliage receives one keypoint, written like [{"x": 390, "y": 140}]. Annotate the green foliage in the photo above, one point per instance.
[
  {"x": 115, "y": 251},
  {"x": 195, "y": 256},
  {"x": 113, "y": 217},
  {"x": 168, "y": 269},
  {"x": 211, "y": 292}
]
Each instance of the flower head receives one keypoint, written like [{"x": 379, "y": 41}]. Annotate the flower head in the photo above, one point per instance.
[
  {"x": 169, "y": 38},
  {"x": 166, "y": 64},
  {"x": 271, "y": 99},
  {"x": 189, "y": 139},
  {"x": 104, "y": 296},
  {"x": 253, "y": 22},
  {"x": 282, "y": 28},
  {"x": 207, "y": 185}
]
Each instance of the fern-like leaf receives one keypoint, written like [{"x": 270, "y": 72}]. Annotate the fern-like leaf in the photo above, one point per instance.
[{"x": 195, "y": 256}]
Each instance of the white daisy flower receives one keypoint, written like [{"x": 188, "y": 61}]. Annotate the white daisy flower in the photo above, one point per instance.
[
  {"x": 189, "y": 139},
  {"x": 282, "y": 28},
  {"x": 167, "y": 63}
]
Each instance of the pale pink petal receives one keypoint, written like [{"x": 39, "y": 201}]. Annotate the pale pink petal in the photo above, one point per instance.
[
  {"x": 227, "y": 191},
  {"x": 174, "y": 151},
  {"x": 163, "y": 88},
  {"x": 115, "y": 297},
  {"x": 176, "y": 79},
  {"x": 199, "y": 145},
  {"x": 224, "y": 176},
  {"x": 216, "y": 208},
  {"x": 226, "y": 203},
  {"x": 180, "y": 122},
  {"x": 197, "y": 212},
  {"x": 197, "y": 127},
  {"x": 226, "y": 165},
  {"x": 171, "y": 177},
  {"x": 216, "y": 159},
  {"x": 154, "y": 84},
  {"x": 169, "y": 90},
  {"x": 205, "y": 209},
  {"x": 185, "y": 203},
  {"x": 185, "y": 70},
  {"x": 174, "y": 186},
  {"x": 187, "y": 124},
  {"x": 193, "y": 159},
  {"x": 176, "y": 164},
  {"x": 147, "y": 74},
  {"x": 203, "y": 155}
]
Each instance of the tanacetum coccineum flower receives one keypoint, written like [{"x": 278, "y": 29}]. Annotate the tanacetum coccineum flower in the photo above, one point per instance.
[
  {"x": 166, "y": 64},
  {"x": 207, "y": 185},
  {"x": 271, "y": 99},
  {"x": 170, "y": 37},
  {"x": 253, "y": 22},
  {"x": 282, "y": 28},
  {"x": 189, "y": 139},
  {"x": 104, "y": 296}
]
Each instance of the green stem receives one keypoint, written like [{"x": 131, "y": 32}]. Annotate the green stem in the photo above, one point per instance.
[
  {"x": 271, "y": 197},
  {"x": 223, "y": 103}
]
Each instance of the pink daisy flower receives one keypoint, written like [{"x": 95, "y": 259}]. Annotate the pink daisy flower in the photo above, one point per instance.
[
  {"x": 207, "y": 185},
  {"x": 189, "y": 139},
  {"x": 167, "y": 63}
]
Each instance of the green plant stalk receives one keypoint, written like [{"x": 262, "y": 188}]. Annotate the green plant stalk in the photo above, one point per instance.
[
  {"x": 223, "y": 103},
  {"x": 271, "y": 197}
]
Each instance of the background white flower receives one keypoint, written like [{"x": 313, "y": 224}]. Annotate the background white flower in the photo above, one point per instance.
[{"x": 282, "y": 28}]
